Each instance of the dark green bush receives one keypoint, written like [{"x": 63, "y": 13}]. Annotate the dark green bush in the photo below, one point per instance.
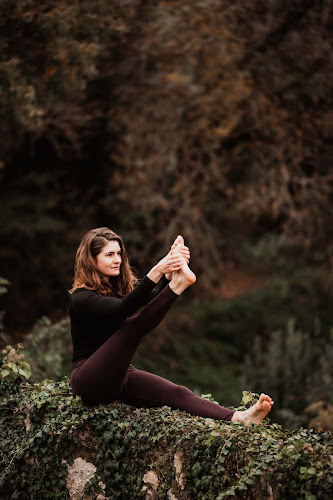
[
  {"x": 48, "y": 349},
  {"x": 297, "y": 369}
]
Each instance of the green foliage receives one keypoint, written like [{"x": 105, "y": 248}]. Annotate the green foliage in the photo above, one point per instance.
[
  {"x": 48, "y": 349},
  {"x": 295, "y": 367},
  {"x": 47, "y": 428},
  {"x": 249, "y": 398},
  {"x": 235, "y": 321},
  {"x": 13, "y": 366},
  {"x": 293, "y": 287}
]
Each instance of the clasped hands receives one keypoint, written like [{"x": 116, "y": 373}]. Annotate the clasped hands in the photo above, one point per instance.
[{"x": 176, "y": 258}]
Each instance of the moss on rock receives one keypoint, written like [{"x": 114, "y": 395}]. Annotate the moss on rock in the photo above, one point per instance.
[{"x": 56, "y": 447}]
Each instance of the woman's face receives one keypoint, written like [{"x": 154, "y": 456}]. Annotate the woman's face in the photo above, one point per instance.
[{"x": 108, "y": 261}]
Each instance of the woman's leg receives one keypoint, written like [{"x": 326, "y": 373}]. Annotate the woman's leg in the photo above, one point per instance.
[
  {"x": 143, "y": 389},
  {"x": 101, "y": 377}
]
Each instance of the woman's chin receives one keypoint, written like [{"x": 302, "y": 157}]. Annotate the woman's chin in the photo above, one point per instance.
[{"x": 114, "y": 274}]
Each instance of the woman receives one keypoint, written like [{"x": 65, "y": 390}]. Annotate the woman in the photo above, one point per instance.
[{"x": 106, "y": 333}]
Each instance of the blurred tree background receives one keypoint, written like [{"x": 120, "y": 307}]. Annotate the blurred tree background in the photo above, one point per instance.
[{"x": 207, "y": 118}]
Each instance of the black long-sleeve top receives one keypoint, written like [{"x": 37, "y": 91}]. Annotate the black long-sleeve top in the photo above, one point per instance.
[{"x": 94, "y": 318}]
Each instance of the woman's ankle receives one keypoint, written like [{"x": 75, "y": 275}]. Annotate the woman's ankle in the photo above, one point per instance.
[{"x": 177, "y": 288}]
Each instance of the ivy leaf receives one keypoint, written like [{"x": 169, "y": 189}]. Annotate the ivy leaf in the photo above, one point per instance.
[
  {"x": 311, "y": 471},
  {"x": 230, "y": 492},
  {"x": 25, "y": 371},
  {"x": 13, "y": 367},
  {"x": 246, "y": 398}
]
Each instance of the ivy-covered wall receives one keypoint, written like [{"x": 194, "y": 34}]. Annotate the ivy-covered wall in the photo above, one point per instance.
[{"x": 53, "y": 446}]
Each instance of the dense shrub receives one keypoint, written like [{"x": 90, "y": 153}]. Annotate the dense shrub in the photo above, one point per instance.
[
  {"x": 48, "y": 349},
  {"x": 297, "y": 367}
]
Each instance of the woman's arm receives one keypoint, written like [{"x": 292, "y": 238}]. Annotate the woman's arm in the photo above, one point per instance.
[
  {"x": 184, "y": 252},
  {"x": 164, "y": 282},
  {"x": 88, "y": 303},
  {"x": 170, "y": 263},
  {"x": 179, "y": 247}
]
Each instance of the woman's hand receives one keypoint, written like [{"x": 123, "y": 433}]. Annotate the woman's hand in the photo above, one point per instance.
[
  {"x": 170, "y": 263},
  {"x": 179, "y": 247},
  {"x": 185, "y": 252}
]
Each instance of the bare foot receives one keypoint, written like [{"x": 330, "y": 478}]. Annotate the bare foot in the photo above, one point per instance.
[
  {"x": 187, "y": 274},
  {"x": 176, "y": 248},
  {"x": 177, "y": 244},
  {"x": 256, "y": 413},
  {"x": 182, "y": 279}
]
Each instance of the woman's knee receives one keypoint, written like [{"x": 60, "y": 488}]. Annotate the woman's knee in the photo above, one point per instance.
[
  {"x": 91, "y": 392},
  {"x": 131, "y": 324},
  {"x": 180, "y": 392}
]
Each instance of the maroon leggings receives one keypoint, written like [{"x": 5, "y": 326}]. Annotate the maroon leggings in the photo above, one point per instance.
[{"x": 107, "y": 375}]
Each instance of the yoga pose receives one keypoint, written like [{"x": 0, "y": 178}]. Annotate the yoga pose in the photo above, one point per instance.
[{"x": 106, "y": 333}]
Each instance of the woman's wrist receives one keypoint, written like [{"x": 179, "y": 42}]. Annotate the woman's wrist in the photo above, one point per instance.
[{"x": 154, "y": 274}]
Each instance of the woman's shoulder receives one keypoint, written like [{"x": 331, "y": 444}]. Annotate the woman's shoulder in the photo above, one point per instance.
[
  {"x": 81, "y": 293},
  {"x": 80, "y": 301},
  {"x": 71, "y": 293},
  {"x": 83, "y": 289}
]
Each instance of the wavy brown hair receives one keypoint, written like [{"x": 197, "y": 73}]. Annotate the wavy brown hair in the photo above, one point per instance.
[{"x": 86, "y": 274}]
